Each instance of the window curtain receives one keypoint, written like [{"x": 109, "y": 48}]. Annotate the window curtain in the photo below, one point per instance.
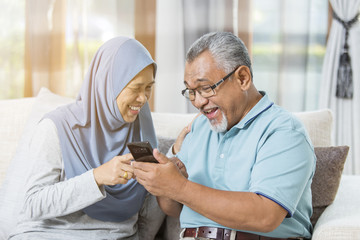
[
  {"x": 62, "y": 37},
  {"x": 289, "y": 38},
  {"x": 169, "y": 57},
  {"x": 345, "y": 111},
  {"x": 145, "y": 18},
  {"x": 45, "y": 46}
]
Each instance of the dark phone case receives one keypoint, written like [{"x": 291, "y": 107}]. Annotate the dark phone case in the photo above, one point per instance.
[{"x": 142, "y": 151}]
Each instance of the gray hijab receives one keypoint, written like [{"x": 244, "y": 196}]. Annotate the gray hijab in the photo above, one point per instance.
[{"x": 92, "y": 130}]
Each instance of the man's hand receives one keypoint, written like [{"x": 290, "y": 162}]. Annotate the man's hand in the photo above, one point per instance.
[
  {"x": 163, "y": 178},
  {"x": 116, "y": 171}
]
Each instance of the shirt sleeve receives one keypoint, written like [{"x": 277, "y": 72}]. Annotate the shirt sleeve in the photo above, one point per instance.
[
  {"x": 48, "y": 193},
  {"x": 284, "y": 166},
  {"x": 170, "y": 153}
]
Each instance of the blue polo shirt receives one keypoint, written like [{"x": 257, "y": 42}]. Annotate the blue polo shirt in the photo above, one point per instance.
[{"x": 268, "y": 152}]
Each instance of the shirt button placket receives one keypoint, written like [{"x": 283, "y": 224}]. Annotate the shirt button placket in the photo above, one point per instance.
[{"x": 220, "y": 164}]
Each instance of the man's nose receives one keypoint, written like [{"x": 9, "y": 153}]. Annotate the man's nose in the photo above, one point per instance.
[{"x": 199, "y": 100}]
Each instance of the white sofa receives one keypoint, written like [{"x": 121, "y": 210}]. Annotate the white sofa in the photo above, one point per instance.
[{"x": 340, "y": 220}]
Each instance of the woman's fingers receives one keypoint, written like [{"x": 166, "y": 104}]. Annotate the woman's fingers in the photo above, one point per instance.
[
  {"x": 179, "y": 140},
  {"x": 116, "y": 171},
  {"x": 125, "y": 158},
  {"x": 127, "y": 174}
]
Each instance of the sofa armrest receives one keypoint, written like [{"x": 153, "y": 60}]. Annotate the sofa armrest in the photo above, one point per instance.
[{"x": 341, "y": 219}]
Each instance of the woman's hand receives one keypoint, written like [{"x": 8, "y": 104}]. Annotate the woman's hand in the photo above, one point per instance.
[
  {"x": 179, "y": 140},
  {"x": 180, "y": 165},
  {"x": 177, "y": 145},
  {"x": 116, "y": 171}
]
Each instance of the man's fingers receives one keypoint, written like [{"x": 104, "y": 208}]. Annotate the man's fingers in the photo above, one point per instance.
[
  {"x": 142, "y": 166},
  {"x": 161, "y": 158}
]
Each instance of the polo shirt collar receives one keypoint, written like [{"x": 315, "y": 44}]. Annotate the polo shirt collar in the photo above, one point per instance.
[{"x": 263, "y": 105}]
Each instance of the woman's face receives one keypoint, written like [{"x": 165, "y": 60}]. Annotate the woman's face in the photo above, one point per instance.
[{"x": 136, "y": 94}]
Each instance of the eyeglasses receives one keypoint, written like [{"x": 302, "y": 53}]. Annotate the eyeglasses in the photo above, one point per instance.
[{"x": 205, "y": 91}]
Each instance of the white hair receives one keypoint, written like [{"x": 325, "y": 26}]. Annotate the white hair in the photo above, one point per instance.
[{"x": 221, "y": 126}]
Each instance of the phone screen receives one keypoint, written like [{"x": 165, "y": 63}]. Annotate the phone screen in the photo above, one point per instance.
[{"x": 142, "y": 151}]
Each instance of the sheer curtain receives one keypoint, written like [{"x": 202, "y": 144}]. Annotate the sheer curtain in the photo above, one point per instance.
[
  {"x": 57, "y": 39},
  {"x": 12, "y": 40},
  {"x": 45, "y": 46},
  {"x": 169, "y": 57},
  {"x": 345, "y": 111},
  {"x": 289, "y": 40}
]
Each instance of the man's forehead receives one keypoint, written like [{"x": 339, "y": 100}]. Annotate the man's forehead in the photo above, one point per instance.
[
  {"x": 196, "y": 75},
  {"x": 197, "y": 69}
]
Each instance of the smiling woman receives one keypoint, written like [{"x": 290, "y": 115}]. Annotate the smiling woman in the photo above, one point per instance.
[
  {"x": 80, "y": 166},
  {"x": 136, "y": 94}
]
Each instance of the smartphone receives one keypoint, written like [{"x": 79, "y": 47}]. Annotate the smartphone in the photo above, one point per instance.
[{"x": 142, "y": 151}]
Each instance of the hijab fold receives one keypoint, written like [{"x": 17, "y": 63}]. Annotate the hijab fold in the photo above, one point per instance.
[{"x": 92, "y": 130}]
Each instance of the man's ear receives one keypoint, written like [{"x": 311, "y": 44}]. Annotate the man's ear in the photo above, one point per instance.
[{"x": 243, "y": 75}]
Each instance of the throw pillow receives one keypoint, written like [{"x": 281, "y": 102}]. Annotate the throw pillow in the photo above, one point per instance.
[
  {"x": 318, "y": 125},
  {"x": 326, "y": 180}
]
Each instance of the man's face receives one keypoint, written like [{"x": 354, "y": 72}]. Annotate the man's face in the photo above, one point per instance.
[
  {"x": 224, "y": 109},
  {"x": 138, "y": 91}
]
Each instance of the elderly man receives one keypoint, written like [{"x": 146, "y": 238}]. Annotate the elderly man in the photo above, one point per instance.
[{"x": 249, "y": 163}]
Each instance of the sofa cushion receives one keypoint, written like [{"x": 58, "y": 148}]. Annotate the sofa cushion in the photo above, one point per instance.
[
  {"x": 326, "y": 180},
  {"x": 11, "y": 196},
  {"x": 318, "y": 125},
  {"x": 340, "y": 220}
]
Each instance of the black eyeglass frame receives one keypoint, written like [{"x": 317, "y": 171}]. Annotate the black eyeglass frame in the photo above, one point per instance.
[{"x": 212, "y": 86}]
